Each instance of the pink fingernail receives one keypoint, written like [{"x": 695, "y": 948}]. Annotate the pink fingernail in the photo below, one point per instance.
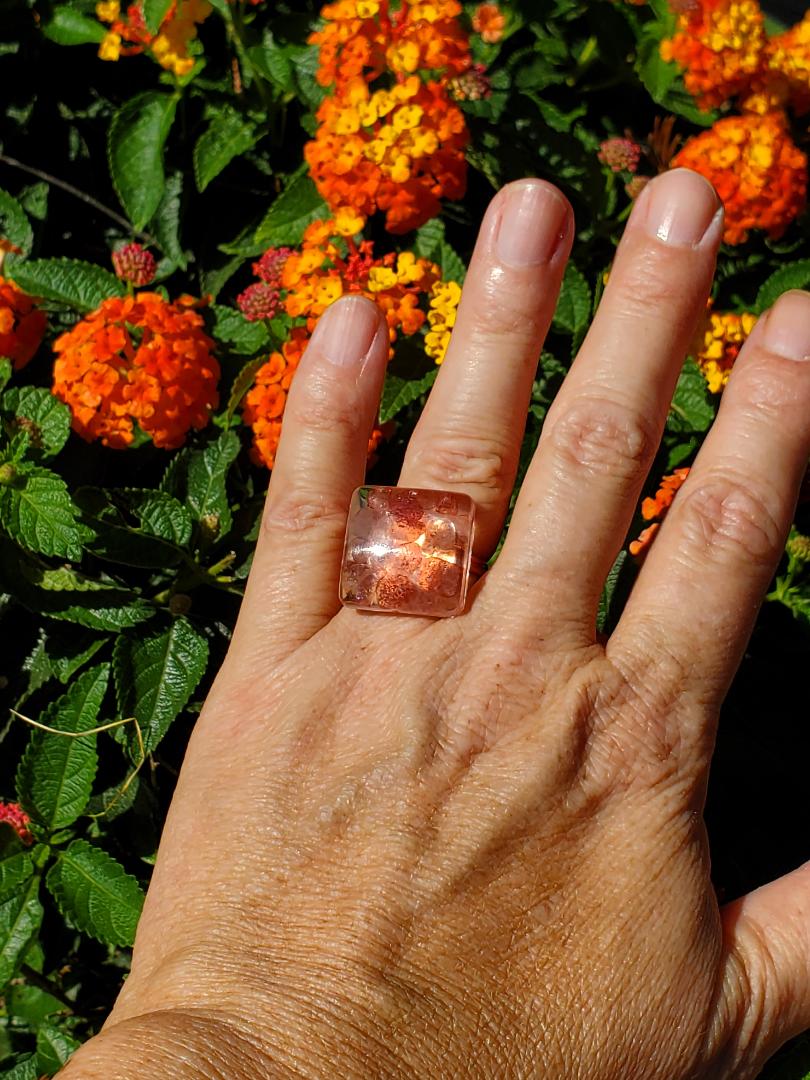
[
  {"x": 534, "y": 223},
  {"x": 679, "y": 208},
  {"x": 346, "y": 331},
  {"x": 787, "y": 326}
]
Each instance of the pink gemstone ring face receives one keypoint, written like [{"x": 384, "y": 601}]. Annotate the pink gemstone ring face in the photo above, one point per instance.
[{"x": 407, "y": 550}]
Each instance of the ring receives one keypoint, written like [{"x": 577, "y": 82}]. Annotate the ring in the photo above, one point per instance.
[{"x": 408, "y": 550}]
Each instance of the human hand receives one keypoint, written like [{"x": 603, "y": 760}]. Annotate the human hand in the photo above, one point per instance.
[{"x": 474, "y": 847}]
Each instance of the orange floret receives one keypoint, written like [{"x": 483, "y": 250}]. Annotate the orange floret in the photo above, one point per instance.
[
  {"x": 489, "y": 21},
  {"x": 22, "y": 324},
  {"x": 717, "y": 344},
  {"x": 138, "y": 359},
  {"x": 756, "y": 168}
]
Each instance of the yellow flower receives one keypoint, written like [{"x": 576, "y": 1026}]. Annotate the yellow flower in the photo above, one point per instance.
[
  {"x": 444, "y": 300},
  {"x": 367, "y": 9},
  {"x": 110, "y": 47},
  {"x": 108, "y": 10},
  {"x": 381, "y": 278},
  {"x": 348, "y": 222}
]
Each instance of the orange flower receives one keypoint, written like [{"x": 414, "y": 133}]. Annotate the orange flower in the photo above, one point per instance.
[
  {"x": 399, "y": 149},
  {"x": 140, "y": 360},
  {"x": 720, "y": 44},
  {"x": 717, "y": 343},
  {"x": 22, "y": 324},
  {"x": 787, "y": 79},
  {"x": 657, "y": 507},
  {"x": 489, "y": 21},
  {"x": 169, "y": 46},
  {"x": 757, "y": 169},
  {"x": 265, "y": 402}
]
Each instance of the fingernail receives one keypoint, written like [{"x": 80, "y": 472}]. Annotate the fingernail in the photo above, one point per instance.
[
  {"x": 679, "y": 207},
  {"x": 787, "y": 326},
  {"x": 346, "y": 330},
  {"x": 533, "y": 224}
]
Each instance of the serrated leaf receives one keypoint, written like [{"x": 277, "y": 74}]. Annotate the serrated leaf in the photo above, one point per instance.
[
  {"x": 67, "y": 26},
  {"x": 556, "y": 118},
  {"x": 135, "y": 142},
  {"x": 453, "y": 266},
  {"x": 166, "y": 220},
  {"x": 160, "y": 515},
  {"x": 795, "y": 275},
  {"x": 77, "y": 284},
  {"x": 122, "y": 535},
  {"x": 20, "y": 918},
  {"x": 297, "y": 206},
  {"x": 96, "y": 894},
  {"x": 23, "y": 1070},
  {"x": 691, "y": 409},
  {"x": 399, "y": 392},
  {"x": 6, "y": 371},
  {"x": 604, "y": 615},
  {"x": 38, "y": 406},
  {"x": 59, "y": 656},
  {"x": 227, "y": 136},
  {"x": 155, "y": 676},
  {"x": 36, "y": 511},
  {"x": 154, "y": 12},
  {"x": 240, "y": 334},
  {"x": 56, "y": 773},
  {"x": 14, "y": 223},
  {"x": 198, "y": 478},
  {"x": 54, "y": 1048},
  {"x": 15, "y": 870},
  {"x": 574, "y": 305},
  {"x": 30, "y": 1004},
  {"x": 242, "y": 383},
  {"x": 429, "y": 238},
  {"x": 662, "y": 80}
]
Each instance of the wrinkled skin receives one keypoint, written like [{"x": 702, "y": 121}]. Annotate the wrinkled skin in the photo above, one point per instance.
[{"x": 474, "y": 847}]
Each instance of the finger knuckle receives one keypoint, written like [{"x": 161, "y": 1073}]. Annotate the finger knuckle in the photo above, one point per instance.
[
  {"x": 649, "y": 285},
  {"x": 301, "y": 511},
  {"x": 500, "y": 312},
  {"x": 729, "y": 518},
  {"x": 324, "y": 405},
  {"x": 603, "y": 438},
  {"x": 466, "y": 461}
]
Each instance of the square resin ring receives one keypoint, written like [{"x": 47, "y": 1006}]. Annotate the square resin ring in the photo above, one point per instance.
[{"x": 407, "y": 550}]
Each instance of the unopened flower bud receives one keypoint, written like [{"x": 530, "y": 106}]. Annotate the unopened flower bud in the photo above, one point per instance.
[
  {"x": 798, "y": 548},
  {"x": 8, "y": 473},
  {"x": 134, "y": 264}
]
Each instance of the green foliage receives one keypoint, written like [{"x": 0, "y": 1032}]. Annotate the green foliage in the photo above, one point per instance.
[
  {"x": 79, "y": 285},
  {"x": 137, "y": 136},
  {"x": 95, "y": 893}
]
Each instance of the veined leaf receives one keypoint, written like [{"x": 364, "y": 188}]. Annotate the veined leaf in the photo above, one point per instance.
[
  {"x": 23, "y": 1070},
  {"x": 165, "y": 223},
  {"x": 691, "y": 408},
  {"x": 155, "y": 676},
  {"x": 198, "y": 478},
  {"x": 54, "y": 1048},
  {"x": 67, "y": 26},
  {"x": 399, "y": 392},
  {"x": 43, "y": 416},
  {"x": 15, "y": 870},
  {"x": 56, "y": 773},
  {"x": 77, "y": 284},
  {"x": 240, "y": 334},
  {"x": 795, "y": 275},
  {"x": 154, "y": 12},
  {"x": 14, "y": 223},
  {"x": 242, "y": 383},
  {"x": 96, "y": 894},
  {"x": 574, "y": 305},
  {"x": 227, "y": 136},
  {"x": 135, "y": 144},
  {"x": 37, "y": 511},
  {"x": 20, "y": 917},
  {"x": 291, "y": 212}
]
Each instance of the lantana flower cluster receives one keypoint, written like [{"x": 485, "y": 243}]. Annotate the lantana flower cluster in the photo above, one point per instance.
[
  {"x": 330, "y": 263},
  {"x": 389, "y": 135},
  {"x": 22, "y": 324},
  {"x": 128, "y": 33},
  {"x": 657, "y": 507},
  {"x": 137, "y": 360},
  {"x": 717, "y": 344},
  {"x": 758, "y": 170}
]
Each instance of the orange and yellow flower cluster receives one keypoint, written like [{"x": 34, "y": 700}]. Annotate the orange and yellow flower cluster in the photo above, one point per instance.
[
  {"x": 752, "y": 160},
  {"x": 657, "y": 507},
  {"x": 718, "y": 342},
  {"x": 138, "y": 360},
  {"x": 22, "y": 324},
  {"x": 329, "y": 264},
  {"x": 389, "y": 135},
  {"x": 128, "y": 33}
]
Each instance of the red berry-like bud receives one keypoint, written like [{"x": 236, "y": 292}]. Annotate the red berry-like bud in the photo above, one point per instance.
[
  {"x": 134, "y": 264},
  {"x": 620, "y": 155},
  {"x": 14, "y": 815},
  {"x": 259, "y": 301},
  {"x": 269, "y": 266}
]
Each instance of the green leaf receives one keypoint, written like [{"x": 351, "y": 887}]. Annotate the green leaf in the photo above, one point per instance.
[
  {"x": 165, "y": 223},
  {"x": 23, "y": 1070},
  {"x": 36, "y": 510},
  {"x": 34, "y": 405},
  {"x": 6, "y": 371},
  {"x": 154, "y": 12},
  {"x": 20, "y": 918},
  {"x": 274, "y": 62},
  {"x": 574, "y": 305},
  {"x": 96, "y": 894},
  {"x": 135, "y": 144},
  {"x": 240, "y": 334},
  {"x": 555, "y": 117},
  {"x": 692, "y": 408},
  {"x": 15, "y": 870},
  {"x": 155, "y": 676},
  {"x": 14, "y": 223},
  {"x": 59, "y": 656},
  {"x": 398, "y": 392},
  {"x": 56, "y": 773},
  {"x": 30, "y": 1004},
  {"x": 663, "y": 82},
  {"x": 77, "y": 284},
  {"x": 133, "y": 527},
  {"x": 242, "y": 383},
  {"x": 795, "y": 275},
  {"x": 429, "y": 239},
  {"x": 198, "y": 478},
  {"x": 227, "y": 136},
  {"x": 453, "y": 267},
  {"x": 67, "y": 26},
  {"x": 297, "y": 206},
  {"x": 160, "y": 514},
  {"x": 604, "y": 615},
  {"x": 54, "y": 1048}
]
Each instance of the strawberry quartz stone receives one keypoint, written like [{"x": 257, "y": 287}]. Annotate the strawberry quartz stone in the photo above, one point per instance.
[{"x": 407, "y": 550}]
